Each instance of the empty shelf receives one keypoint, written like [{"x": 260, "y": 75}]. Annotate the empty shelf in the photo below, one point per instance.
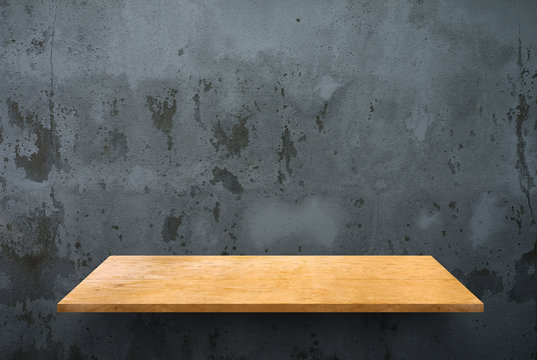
[{"x": 270, "y": 284}]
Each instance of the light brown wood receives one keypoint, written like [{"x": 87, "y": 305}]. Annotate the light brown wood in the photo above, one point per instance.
[{"x": 270, "y": 284}]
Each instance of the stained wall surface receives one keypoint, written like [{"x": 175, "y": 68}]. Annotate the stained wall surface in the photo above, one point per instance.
[{"x": 268, "y": 127}]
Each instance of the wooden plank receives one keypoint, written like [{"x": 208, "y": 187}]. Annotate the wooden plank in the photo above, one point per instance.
[{"x": 270, "y": 284}]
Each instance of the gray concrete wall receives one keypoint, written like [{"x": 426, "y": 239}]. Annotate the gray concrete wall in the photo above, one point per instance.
[{"x": 268, "y": 127}]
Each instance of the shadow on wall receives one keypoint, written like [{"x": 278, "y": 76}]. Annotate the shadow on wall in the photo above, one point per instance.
[{"x": 260, "y": 336}]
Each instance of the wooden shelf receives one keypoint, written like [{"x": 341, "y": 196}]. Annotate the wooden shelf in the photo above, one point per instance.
[{"x": 270, "y": 284}]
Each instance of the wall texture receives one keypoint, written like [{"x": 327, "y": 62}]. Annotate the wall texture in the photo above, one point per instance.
[{"x": 268, "y": 127}]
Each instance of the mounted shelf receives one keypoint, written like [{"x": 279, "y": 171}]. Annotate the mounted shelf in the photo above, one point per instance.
[{"x": 270, "y": 284}]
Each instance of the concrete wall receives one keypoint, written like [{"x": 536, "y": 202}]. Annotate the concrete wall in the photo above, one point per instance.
[{"x": 268, "y": 127}]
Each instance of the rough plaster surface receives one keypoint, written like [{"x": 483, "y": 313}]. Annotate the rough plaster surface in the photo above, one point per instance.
[{"x": 268, "y": 127}]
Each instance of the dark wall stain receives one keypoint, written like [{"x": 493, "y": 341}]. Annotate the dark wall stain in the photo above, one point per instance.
[
  {"x": 371, "y": 110},
  {"x": 236, "y": 141},
  {"x": 516, "y": 216},
  {"x": 525, "y": 286},
  {"x": 359, "y": 202},
  {"x": 481, "y": 281},
  {"x": 170, "y": 227},
  {"x": 33, "y": 272},
  {"x": 228, "y": 180},
  {"x": 197, "y": 110},
  {"x": 524, "y": 177},
  {"x": 454, "y": 166},
  {"x": 320, "y": 116},
  {"x": 114, "y": 111},
  {"x": 207, "y": 85},
  {"x": 116, "y": 145},
  {"x": 525, "y": 281},
  {"x": 37, "y": 45},
  {"x": 39, "y": 164},
  {"x": 195, "y": 190},
  {"x": 519, "y": 53},
  {"x": 15, "y": 116},
  {"x": 216, "y": 211},
  {"x": 163, "y": 112},
  {"x": 281, "y": 177},
  {"x": 288, "y": 150}
]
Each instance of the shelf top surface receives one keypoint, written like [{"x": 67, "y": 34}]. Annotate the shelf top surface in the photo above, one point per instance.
[{"x": 270, "y": 284}]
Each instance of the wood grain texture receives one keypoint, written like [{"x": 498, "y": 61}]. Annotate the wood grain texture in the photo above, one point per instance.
[{"x": 270, "y": 284}]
